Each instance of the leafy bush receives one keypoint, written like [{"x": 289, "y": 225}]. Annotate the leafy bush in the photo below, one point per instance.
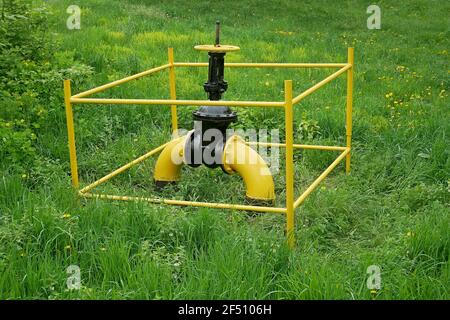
[
  {"x": 308, "y": 129},
  {"x": 29, "y": 77}
]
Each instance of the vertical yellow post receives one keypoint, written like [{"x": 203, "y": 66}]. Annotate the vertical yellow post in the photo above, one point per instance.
[
  {"x": 71, "y": 134},
  {"x": 348, "y": 113},
  {"x": 289, "y": 128},
  {"x": 173, "y": 93}
]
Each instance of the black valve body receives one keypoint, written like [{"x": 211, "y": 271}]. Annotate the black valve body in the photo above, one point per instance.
[
  {"x": 216, "y": 85},
  {"x": 210, "y": 117}
]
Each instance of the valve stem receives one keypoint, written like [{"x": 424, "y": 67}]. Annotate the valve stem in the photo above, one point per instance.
[{"x": 217, "y": 43}]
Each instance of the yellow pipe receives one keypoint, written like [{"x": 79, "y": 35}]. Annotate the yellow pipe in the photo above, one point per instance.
[
  {"x": 288, "y": 121},
  {"x": 169, "y": 163},
  {"x": 316, "y": 182},
  {"x": 240, "y": 158},
  {"x": 320, "y": 84},
  {"x": 178, "y": 102},
  {"x": 214, "y": 205},
  {"x": 264, "y": 65},
  {"x": 71, "y": 135},
  {"x": 122, "y": 169},
  {"x": 298, "y": 146},
  {"x": 348, "y": 118},
  {"x": 120, "y": 81},
  {"x": 173, "y": 94}
]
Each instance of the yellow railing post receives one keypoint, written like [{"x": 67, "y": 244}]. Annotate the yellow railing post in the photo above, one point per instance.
[
  {"x": 289, "y": 128},
  {"x": 71, "y": 134},
  {"x": 173, "y": 93},
  {"x": 348, "y": 117}
]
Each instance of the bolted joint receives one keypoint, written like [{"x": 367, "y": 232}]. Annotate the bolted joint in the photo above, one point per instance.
[{"x": 216, "y": 85}]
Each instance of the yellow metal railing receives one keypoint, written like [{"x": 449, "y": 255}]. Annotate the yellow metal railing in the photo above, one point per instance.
[{"x": 288, "y": 106}]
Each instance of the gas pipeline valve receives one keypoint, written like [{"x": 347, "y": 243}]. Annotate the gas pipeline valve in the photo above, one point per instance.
[
  {"x": 210, "y": 121},
  {"x": 202, "y": 145}
]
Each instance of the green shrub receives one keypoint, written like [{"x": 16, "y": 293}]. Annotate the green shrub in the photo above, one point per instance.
[{"x": 30, "y": 75}]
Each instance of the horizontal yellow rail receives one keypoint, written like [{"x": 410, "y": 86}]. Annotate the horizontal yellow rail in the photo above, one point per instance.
[
  {"x": 298, "y": 146},
  {"x": 262, "y": 104},
  {"x": 186, "y": 203},
  {"x": 121, "y": 81},
  {"x": 316, "y": 182},
  {"x": 122, "y": 169},
  {"x": 80, "y": 98},
  {"x": 344, "y": 67},
  {"x": 264, "y": 65},
  {"x": 320, "y": 84}
]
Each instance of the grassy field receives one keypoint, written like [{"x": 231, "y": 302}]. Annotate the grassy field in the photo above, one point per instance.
[{"x": 392, "y": 211}]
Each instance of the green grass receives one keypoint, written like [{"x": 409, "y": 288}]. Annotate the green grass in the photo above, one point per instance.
[{"x": 392, "y": 211}]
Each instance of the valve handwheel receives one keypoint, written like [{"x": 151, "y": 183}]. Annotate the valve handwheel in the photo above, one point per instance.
[
  {"x": 214, "y": 48},
  {"x": 217, "y": 47}
]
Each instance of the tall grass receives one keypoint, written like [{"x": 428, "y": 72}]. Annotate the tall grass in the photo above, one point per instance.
[{"x": 392, "y": 211}]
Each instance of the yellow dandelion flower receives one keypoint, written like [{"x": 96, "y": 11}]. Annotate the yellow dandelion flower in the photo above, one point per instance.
[
  {"x": 285, "y": 33},
  {"x": 66, "y": 215}
]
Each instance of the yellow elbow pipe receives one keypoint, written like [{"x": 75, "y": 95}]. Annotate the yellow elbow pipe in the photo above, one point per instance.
[
  {"x": 169, "y": 163},
  {"x": 239, "y": 157}
]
